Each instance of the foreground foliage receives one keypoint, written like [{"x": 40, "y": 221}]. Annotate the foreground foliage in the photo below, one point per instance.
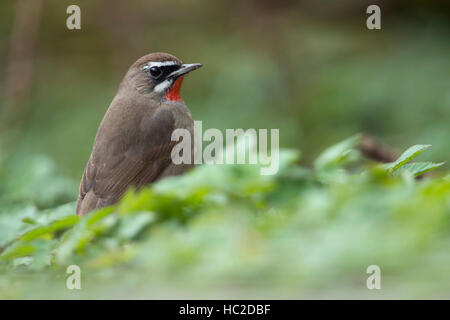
[{"x": 223, "y": 231}]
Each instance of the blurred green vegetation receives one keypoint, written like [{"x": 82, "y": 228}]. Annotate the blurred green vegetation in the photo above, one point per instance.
[
  {"x": 227, "y": 231},
  {"x": 309, "y": 68}
]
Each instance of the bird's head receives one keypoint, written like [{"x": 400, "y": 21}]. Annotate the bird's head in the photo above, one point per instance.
[{"x": 159, "y": 75}]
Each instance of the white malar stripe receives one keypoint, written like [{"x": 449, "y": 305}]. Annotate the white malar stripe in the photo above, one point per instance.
[
  {"x": 163, "y": 86},
  {"x": 159, "y": 64}
]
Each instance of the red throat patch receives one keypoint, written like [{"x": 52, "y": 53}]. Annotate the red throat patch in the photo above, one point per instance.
[{"x": 174, "y": 93}]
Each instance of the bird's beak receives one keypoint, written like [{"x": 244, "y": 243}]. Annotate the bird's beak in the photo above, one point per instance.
[{"x": 185, "y": 68}]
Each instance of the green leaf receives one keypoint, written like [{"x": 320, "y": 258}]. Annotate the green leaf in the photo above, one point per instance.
[
  {"x": 418, "y": 168},
  {"x": 55, "y": 226},
  {"x": 89, "y": 227},
  {"x": 42, "y": 255},
  {"x": 29, "y": 220},
  {"x": 338, "y": 154},
  {"x": 407, "y": 156},
  {"x": 18, "y": 249},
  {"x": 132, "y": 224}
]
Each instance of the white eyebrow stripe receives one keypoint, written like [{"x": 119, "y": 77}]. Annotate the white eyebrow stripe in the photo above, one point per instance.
[{"x": 159, "y": 64}]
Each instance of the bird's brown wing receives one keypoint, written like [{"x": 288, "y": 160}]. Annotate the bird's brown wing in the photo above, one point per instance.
[{"x": 141, "y": 162}]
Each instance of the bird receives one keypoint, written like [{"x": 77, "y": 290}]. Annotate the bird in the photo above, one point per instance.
[{"x": 133, "y": 143}]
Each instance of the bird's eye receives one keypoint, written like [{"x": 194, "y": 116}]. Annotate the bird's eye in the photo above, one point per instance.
[{"x": 155, "y": 72}]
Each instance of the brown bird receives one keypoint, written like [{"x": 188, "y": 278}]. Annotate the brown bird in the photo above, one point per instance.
[{"x": 133, "y": 143}]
